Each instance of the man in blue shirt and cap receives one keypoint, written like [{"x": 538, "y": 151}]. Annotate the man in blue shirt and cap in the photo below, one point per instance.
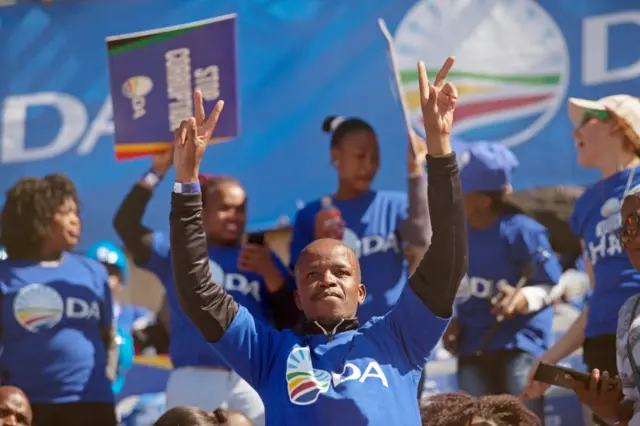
[{"x": 332, "y": 372}]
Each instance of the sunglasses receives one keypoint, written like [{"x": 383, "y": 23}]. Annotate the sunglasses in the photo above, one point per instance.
[
  {"x": 588, "y": 114},
  {"x": 629, "y": 229}
]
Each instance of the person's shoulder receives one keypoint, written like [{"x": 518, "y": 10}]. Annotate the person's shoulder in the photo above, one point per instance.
[
  {"x": 309, "y": 209},
  {"x": 83, "y": 263},
  {"x": 519, "y": 225},
  {"x": 524, "y": 222},
  {"x": 390, "y": 196},
  {"x": 78, "y": 260}
]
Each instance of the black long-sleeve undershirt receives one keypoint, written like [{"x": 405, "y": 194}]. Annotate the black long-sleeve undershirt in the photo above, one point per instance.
[{"x": 435, "y": 281}]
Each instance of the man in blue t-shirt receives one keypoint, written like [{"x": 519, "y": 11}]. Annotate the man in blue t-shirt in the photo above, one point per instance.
[
  {"x": 57, "y": 341},
  {"x": 334, "y": 372}
]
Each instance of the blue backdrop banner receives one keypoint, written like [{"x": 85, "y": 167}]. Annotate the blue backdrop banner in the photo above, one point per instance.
[{"x": 517, "y": 62}]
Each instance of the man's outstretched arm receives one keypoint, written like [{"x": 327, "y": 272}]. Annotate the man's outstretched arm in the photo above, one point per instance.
[
  {"x": 422, "y": 313},
  {"x": 245, "y": 344}
]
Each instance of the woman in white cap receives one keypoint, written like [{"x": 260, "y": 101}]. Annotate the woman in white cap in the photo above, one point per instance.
[{"x": 607, "y": 138}]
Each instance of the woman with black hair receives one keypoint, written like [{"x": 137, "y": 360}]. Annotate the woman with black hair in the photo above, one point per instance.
[
  {"x": 57, "y": 336},
  {"x": 503, "y": 314},
  {"x": 386, "y": 229}
]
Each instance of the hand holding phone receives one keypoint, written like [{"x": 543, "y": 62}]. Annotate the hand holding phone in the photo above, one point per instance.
[
  {"x": 556, "y": 375},
  {"x": 256, "y": 238}
]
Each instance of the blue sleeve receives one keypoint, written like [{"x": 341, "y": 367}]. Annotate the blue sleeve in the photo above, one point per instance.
[
  {"x": 533, "y": 248},
  {"x": 249, "y": 347},
  {"x": 160, "y": 258},
  {"x": 302, "y": 235},
  {"x": 412, "y": 328}
]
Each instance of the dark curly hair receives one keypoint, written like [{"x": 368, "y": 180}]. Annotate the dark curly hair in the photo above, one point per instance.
[
  {"x": 193, "y": 416},
  {"x": 458, "y": 409},
  {"x": 28, "y": 212}
]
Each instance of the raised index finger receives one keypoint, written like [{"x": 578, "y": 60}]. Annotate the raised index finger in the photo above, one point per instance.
[
  {"x": 198, "y": 105},
  {"x": 212, "y": 121},
  {"x": 423, "y": 82},
  {"x": 444, "y": 72}
]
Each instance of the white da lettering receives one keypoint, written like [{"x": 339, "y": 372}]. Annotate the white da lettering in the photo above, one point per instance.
[
  {"x": 352, "y": 372},
  {"x": 208, "y": 82},
  {"x": 179, "y": 89}
]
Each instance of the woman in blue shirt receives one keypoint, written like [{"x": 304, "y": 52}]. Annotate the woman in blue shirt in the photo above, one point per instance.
[
  {"x": 57, "y": 336},
  {"x": 382, "y": 227},
  {"x": 607, "y": 138},
  {"x": 512, "y": 270}
]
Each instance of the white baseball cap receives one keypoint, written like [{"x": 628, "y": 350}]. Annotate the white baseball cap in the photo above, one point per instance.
[{"x": 626, "y": 108}]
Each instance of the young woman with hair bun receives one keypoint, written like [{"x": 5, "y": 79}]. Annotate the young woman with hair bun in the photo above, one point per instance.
[{"x": 384, "y": 228}]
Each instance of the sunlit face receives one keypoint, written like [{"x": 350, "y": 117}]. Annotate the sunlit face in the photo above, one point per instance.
[
  {"x": 595, "y": 138},
  {"x": 328, "y": 281},
  {"x": 629, "y": 233},
  {"x": 65, "y": 227},
  {"x": 357, "y": 159},
  {"x": 224, "y": 213}
]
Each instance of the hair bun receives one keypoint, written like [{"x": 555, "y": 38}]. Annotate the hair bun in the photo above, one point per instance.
[{"x": 331, "y": 123}]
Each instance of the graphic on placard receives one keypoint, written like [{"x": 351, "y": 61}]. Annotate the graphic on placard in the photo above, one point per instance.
[
  {"x": 511, "y": 70},
  {"x": 153, "y": 75}
]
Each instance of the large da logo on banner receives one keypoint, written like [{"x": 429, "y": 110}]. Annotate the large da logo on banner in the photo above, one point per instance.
[{"x": 512, "y": 64}]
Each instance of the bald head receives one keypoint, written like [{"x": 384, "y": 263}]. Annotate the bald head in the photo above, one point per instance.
[
  {"x": 14, "y": 407},
  {"x": 328, "y": 281},
  {"x": 326, "y": 248}
]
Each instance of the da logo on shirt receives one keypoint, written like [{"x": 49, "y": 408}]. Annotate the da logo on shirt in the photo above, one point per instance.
[
  {"x": 305, "y": 383},
  {"x": 234, "y": 282},
  {"x": 369, "y": 244},
  {"x": 38, "y": 306}
]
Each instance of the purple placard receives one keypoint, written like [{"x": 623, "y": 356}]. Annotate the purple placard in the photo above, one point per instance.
[{"x": 153, "y": 75}]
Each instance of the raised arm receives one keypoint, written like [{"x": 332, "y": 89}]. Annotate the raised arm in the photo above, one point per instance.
[
  {"x": 137, "y": 238},
  {"x": 415, "y": 230},
  {"x": 420, "y": 317},
  {"x": 245, "y": 344}
]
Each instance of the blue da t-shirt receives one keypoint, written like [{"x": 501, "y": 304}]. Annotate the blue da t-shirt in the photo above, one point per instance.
[
  {"x": 187, "y": 347},
  {"x": 372, "y": 220},
  {"x": 596, "y": 220},
  {"x": 362, "y": 377},
  {"x": 503, "y": 252},
  {"x": 53, "y": 318}
]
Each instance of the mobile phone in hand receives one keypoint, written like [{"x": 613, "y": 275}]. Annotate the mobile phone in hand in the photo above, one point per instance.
[
  {"x": 256, "y": 238},
  {"x": 555, "y": 375}
]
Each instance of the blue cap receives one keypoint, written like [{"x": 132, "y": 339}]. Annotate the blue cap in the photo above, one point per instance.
[
  {"x": 110, "y": 254},
  {"x": 486, "y": 167}
]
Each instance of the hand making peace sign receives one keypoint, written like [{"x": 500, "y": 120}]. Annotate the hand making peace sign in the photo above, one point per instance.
[
  {"x": 191, "y": 139},
  {"x": 438, "y": 101}
]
